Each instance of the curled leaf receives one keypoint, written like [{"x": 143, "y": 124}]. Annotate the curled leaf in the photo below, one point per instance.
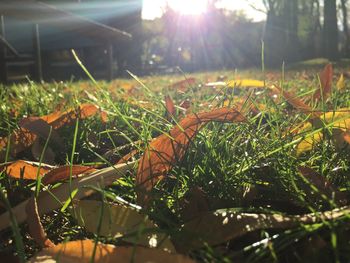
[
  {"x": 48, "y": 201},
  {"x": 36, "y": 229},
  {"x": 168, "y": 149},
  {"x": 82, "y": 251}
]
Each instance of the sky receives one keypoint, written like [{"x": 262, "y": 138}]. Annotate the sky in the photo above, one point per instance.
[{"x": 153, "y": 8}]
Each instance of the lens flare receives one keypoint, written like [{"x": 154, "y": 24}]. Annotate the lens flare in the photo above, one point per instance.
[{"x": 189, "y": 7}]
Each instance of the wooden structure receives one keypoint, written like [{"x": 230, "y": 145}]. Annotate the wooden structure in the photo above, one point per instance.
[{"x": 39, "y": 27}]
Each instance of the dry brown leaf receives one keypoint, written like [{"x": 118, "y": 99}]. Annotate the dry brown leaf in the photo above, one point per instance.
[
  {"x": 120, "y": 220},
  {"x": 20, "y": 140},
  {"x": 326, "y": 77},
  {"x": 164, "y": 152},
  {"x": 37, "y": 151},
  {"x": 28, "y": 169},
  {"x": 48, "y": 201},
  {"x": 170, "y": 107},
  {"x": 127, "y": 157},
  {"x": 58, "y": 119},
  {"x": 63, "y": 173},
  {"x": 36, "y": 229},
  {"x": 294, "y": 101},
  {"x": 23, "y": 138},
  {"x": 42, "y": 129},
  {"x": 222, "y": 225},
  {"x": 323, "y": 185},
  {"x": 194, "y": 203},
  {"x": 82, "y": 251}
]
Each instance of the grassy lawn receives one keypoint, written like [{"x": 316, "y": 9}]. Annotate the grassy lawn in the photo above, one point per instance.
[{"x": 264, "y": 180}]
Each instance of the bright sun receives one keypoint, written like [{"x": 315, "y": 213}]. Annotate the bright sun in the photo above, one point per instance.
[{"x": 189, "y": 7}]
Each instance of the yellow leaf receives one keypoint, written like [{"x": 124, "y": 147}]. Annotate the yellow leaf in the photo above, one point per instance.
[
  {"x": 339, "y": 119},
  {"x": 308, "y": 143},
  {"x": 341, "y": 82},
  {"x": 246, "y": 83}
]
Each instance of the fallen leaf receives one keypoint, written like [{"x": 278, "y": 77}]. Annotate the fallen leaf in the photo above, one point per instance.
[
  {"x": 186, "y": 104},
  {"x": 246, "y": 83},
  {"x": 56, "y": 197},
  {"x": 168, "y": 149},
  {"x": 346, "y": 136},
  {"x": 43, "y": 130},
  {"x": 36, "y": 229},
  {"x": 308, "y": 143},
  {"x": 37, "y": 151},
  {"x": 127, "y": 157},
  {"x": 239, "y": 83},
  {"x": 339, "y": 120},
  {"x": 20, "y": 140},
  {"x": 341, "y": 82},
  {"x": 118, "y": 220},
  {"x": 82, "y": 251},
  {"x": 326, "y": 77},
  {"x": 323, "y": 185},
  {"x": 220, "y": 226},
  {"x": 59, "y": 119},
  {"x": 194, "y": 203},
  {"x": 63, "y": 173},
  {"x": 295, "y": 101},
  {"x": 29, "y": 170},
  {"x": 170, "y": 107}
]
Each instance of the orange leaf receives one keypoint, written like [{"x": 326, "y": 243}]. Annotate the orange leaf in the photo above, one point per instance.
[
  {"x": 20, "y": 140},
  {"x": 29, "y": 169},
  {"x": 127, "y": 157},
  {"x": 36, "y": 229},
  {"x": 326, "y": 77},
  {"x": 62, "y": 173},
  {"x": 346, "y": 137},
  {"x": 82, "y": 251},
  {"x": 164, "y": 152},
  {"x": 294, "y": 101},
  {"x": 42, "y": 129},
  {"x": 170, "y": 107},
  {"x": 59, "y": 119}
]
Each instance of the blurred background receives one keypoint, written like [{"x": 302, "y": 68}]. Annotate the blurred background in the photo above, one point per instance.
[{"x": 194, "y": 35}]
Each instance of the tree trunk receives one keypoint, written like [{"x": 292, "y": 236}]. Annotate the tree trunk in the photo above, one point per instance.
[
  {"x": 346, "y": 28},
  {"x": 330, "y": 29}
]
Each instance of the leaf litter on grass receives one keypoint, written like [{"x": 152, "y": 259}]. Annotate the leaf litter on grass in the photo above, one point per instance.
[{"x": 197, "y": 225}]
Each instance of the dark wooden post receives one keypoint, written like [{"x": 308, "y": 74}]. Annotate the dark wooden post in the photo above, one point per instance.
[
  {"x": 3, "y": 67},
  {"x": 38, "y": 75},
  {"x": 110, "y": 61}
]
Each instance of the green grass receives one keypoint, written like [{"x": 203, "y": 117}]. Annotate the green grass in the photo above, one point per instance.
[{"x": 251, "y": 167}]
